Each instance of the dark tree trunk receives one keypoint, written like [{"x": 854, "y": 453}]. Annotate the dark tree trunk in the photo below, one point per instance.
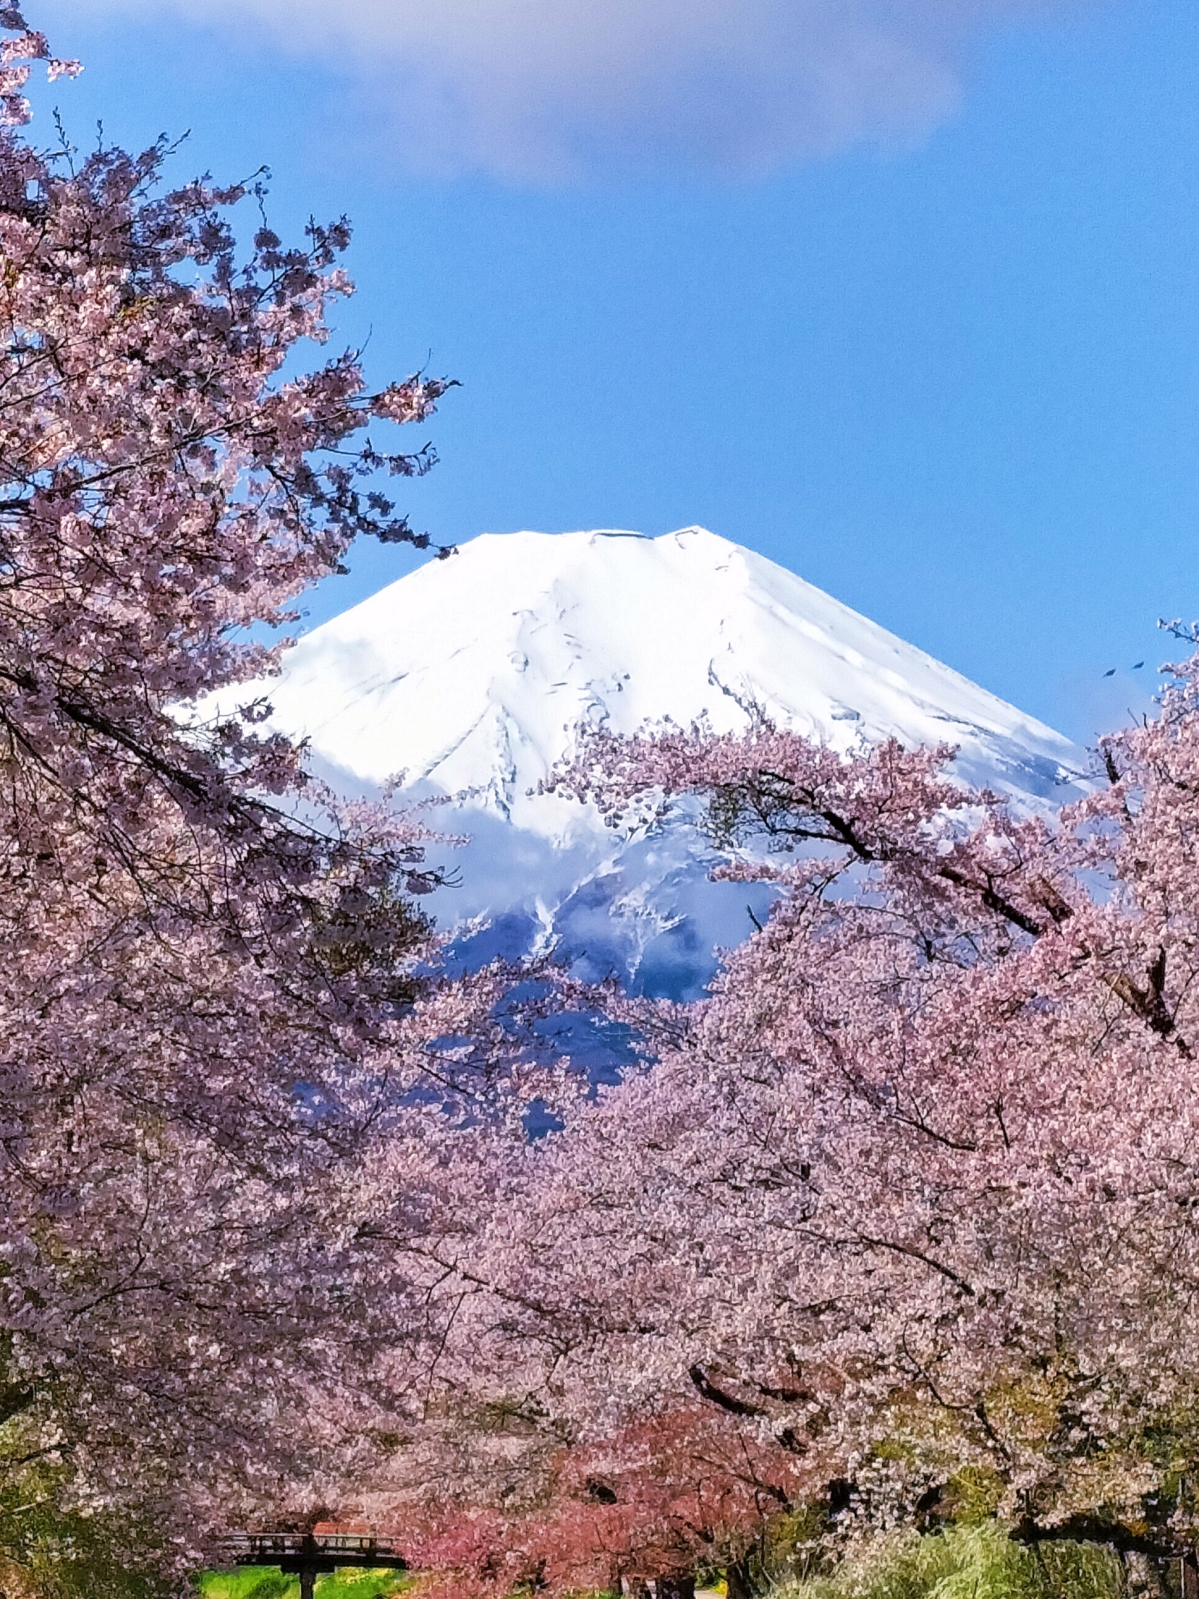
[
  {"x": 738, "y": 1579},
  {"x": 675, "y": 1586}
]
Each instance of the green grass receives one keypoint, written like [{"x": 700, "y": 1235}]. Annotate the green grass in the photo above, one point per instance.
[
  {"x": 964, "y": 1563},
  {"x": 268, "y": 1582}
]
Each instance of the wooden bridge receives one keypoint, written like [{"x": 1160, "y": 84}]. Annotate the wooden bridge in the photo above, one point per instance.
[{"x": 308, "y": 1553}]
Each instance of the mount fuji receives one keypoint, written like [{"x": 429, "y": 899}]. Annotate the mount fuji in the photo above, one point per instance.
[{"x": 472, "y": 676}]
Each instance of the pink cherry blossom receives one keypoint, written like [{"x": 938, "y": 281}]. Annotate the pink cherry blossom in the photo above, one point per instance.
[
  {"x": 904, "y": 1212},
  {"x": 232, "y": 1077}
]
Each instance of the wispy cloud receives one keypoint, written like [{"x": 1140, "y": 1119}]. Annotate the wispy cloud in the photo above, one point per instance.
[{"x": 546, "y": 91}]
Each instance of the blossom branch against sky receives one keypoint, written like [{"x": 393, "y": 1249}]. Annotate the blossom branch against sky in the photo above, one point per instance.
[{"x": 550, "y": 91}]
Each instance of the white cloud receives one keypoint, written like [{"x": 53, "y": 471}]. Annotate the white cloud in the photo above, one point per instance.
[{"x": 551, "y": 90}]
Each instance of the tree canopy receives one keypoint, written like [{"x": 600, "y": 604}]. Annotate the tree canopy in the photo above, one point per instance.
[{"x": 896, "y": 1228}]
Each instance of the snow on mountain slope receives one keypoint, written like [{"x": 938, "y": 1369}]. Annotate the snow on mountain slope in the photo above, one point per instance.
[{"x": 472, "y": 675}]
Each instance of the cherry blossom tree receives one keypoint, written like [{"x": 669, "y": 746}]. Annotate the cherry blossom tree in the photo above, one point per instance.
[
  {"x": 896, "y": 1226},
  {"x": 220, "y": 1001},
  {"x": 899, "y": 1225}
]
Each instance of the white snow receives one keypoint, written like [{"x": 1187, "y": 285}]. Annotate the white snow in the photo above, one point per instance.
[{"x": 472, "y": 675}]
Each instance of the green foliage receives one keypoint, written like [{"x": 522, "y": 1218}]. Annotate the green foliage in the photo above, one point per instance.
[
  {"x": 978, "y": 1562},
  {"x": 51, "y": 1547},
  {"x": 267, "y": 1582},
  {"x": 57, "y": 1553},
  {"x": 792, "y": 1547},
  {"x": 971, "y": 1496},
  {"x": 248, "y": 1582}
]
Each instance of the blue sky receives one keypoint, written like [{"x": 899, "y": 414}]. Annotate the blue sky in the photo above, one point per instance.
[{"x": 902, "y": 293}]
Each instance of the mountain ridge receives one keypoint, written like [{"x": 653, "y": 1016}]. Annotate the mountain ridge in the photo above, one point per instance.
[
  {"x": 426, "y": 675},
  {"x": 473, "y": 674}
]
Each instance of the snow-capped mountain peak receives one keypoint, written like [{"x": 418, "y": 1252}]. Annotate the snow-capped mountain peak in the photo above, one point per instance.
[{"x": 472, "y": 674}]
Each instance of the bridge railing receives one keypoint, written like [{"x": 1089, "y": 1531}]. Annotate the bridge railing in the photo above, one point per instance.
[{"x": 256, "y": 1548}]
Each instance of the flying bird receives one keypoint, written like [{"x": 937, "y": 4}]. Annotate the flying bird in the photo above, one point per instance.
[{"x": 1112, "y": 673}]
